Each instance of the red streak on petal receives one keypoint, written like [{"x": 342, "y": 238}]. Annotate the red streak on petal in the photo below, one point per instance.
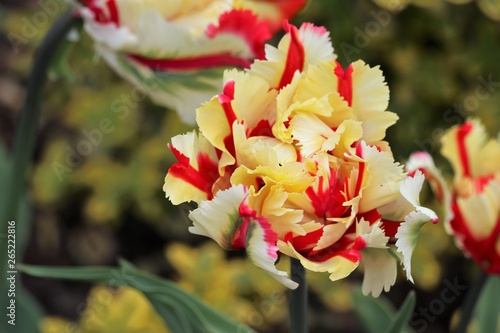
[
  {"x": 347, "y": 246},
  {"x": 246, "y": 25},
  {"x": 361, "y": 171},
  {"x": 113, "y": 12},
  {"x": 462, "y": 133},
  {"x": 181, "y": 158},
  {"x": 483, "y": 251},
  {"x": 193, "y": 63},
  {"x": 371, "y": 216},
  {"x": 481, "y": 182},
  {"x": 359, "y": 244},
  {"x": 308, "y": 241},
  {"x": 328, "y": 202},
  {"x": 100, "y": 15},
  {"x": 296, "y": 56},
  {"x": 240, "y": 237},
  {"x": 288, "y": 8},
  {"x": 250, "y": 216},
  {"x": 270, "y": 237},
  {"x": 390, "y": 227},
  {"x": 263, "y": 128},
  {"x": 338, "y": 249},
  {"x": 203, "y": 179},
  {"x": 344, "y": 82},
  {"x": 225, "y": 99}
]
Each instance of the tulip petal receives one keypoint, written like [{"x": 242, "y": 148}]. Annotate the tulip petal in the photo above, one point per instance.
[
  {"x": 219, "y": 218},
  {"x": 192, "y": 177},
  {"x": 262, "y": 250},
  {"x": 423, "y": 161},
  {"x": 296, "y": 50},
  {"x": 370, "y": 98},
  {"x": 380, "y": 271},
  {"x": 407, "y": 236},
  {"x": 383, "y": 179},
  {"x": 469, "y": 151},
  {"x": 338, "y": 266}
]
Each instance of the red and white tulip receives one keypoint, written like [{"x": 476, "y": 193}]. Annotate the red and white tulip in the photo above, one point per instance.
[
  {"x": 176, "y": 51},
  {"x": 472, "y": 204}
]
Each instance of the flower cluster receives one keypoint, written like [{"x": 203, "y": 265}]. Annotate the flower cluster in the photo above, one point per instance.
[
  {"x": 290, "y": 159},
  {"x": 472, "y": 205},
  {"x": 176, "y": 51}
]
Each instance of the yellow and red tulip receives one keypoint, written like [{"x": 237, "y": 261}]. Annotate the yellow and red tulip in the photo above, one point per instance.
[
  {"x": 472, "y": 205},
  {"x": 176, "y": 51},
  {"x": 301, "y": 166}
]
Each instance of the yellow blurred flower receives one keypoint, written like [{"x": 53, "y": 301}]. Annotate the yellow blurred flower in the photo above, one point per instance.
[
  {"x": 243, "y": 291},
  {"x": 107, "y": 310}
]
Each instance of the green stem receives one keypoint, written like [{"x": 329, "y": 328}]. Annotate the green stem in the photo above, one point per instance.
[
  {"x": 298, "y": 299},
  {"x": 24, "y": 141},
  {"x": 470, "y": 301}
]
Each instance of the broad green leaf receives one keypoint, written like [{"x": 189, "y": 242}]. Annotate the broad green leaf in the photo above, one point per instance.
[
  {"x": 182, "y": 312},
  {"x": 488, "y": 307},
  {"x": 399, "y": 322}
]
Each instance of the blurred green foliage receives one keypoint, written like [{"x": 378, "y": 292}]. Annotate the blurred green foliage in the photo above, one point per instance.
[{"x": 102, "y": 153}]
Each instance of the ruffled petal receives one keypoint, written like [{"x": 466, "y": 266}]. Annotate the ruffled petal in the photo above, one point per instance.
[
  {"x": 423, "y": 161},
  {"x": 219, "y": 218},
  {"x": 380, "y": 271},
  {"x": 407, "y": 236},
  {"x": 296, "y": 50},
  {"x": 262, "y": 250},
  {"x": 370, "y": 98},
  {"x": 193, "y": 176},
  {"x": 382, "y": 181}
]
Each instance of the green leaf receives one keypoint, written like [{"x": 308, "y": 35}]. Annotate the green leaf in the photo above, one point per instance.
[
  {"x": 28, "y": 311},
  {"x": 375, "y": 313},
  {"x": 400, "y": 321},
  {"x": 488, "y": 307},
  {"x": 182, "y": 312}
]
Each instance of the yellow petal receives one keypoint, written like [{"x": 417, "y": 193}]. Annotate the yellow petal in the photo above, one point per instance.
[
  {"x": 370, "y": 98},
  {"x": 383, "y": 179},
  {"x": 338, "y": 267}
]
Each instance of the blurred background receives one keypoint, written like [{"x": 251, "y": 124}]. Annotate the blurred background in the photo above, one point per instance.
[{"x": 440, "y": 59}]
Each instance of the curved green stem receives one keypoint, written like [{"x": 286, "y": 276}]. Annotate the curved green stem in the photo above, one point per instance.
[
  {"x": 298, "y": 299},
  {"x": 470, "y": 301},
  {"x": 24, "y": 141}
]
